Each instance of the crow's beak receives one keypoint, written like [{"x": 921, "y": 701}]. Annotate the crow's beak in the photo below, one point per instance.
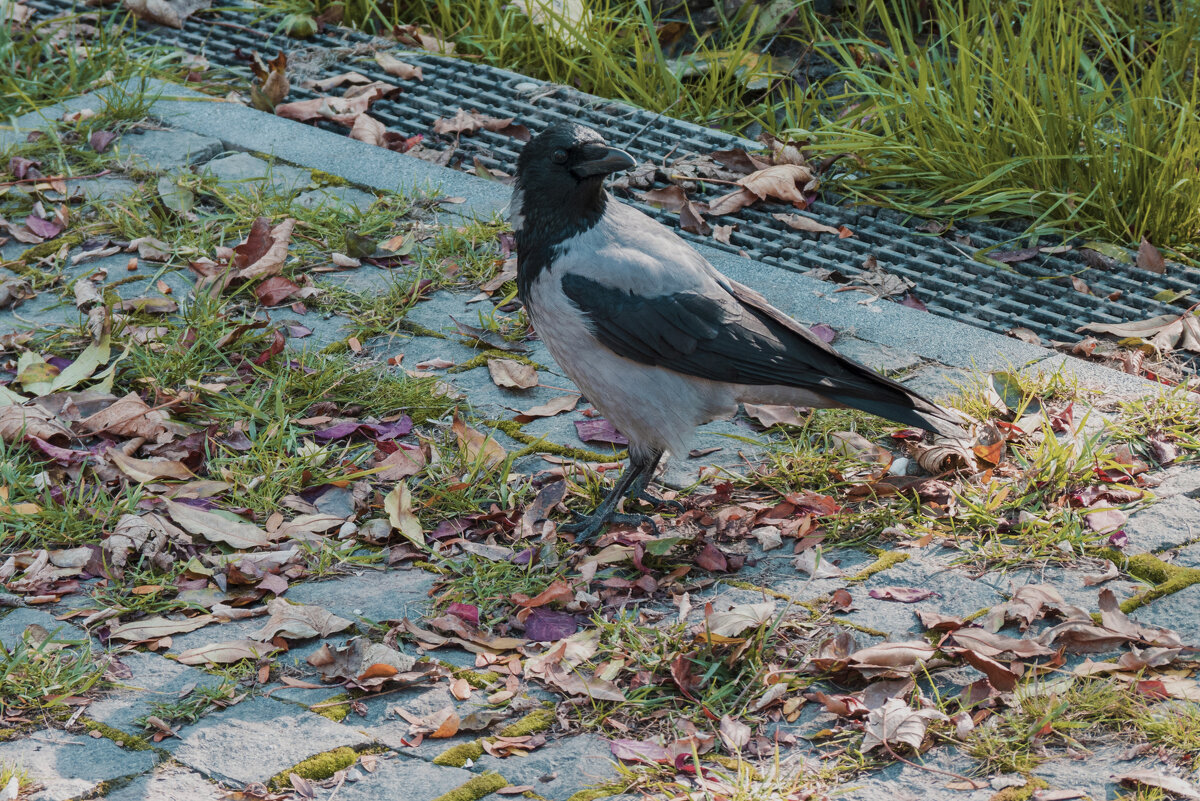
[{"x": 602, "y": 160}]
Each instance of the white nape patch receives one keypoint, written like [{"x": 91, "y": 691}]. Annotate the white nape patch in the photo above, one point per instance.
[{"x": 514, "y": 211}]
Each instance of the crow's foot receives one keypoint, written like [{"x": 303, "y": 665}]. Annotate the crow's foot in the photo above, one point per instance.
[
  {"x": 646, "y": 496},
  {"x": 587, "y": 528}
]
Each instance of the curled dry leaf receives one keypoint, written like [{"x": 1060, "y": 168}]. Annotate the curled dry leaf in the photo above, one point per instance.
[
  {"x": 944, "y": 455},
  {"x": 398, "y": 505},
  {"x": 394, "y": 66},
  {"x": 739, "y": 618},
  {"x": 18, "y": 422},
  {"x": 222, "y": 653},
  {"x": 152, "y": 628},
  {"x": 127, "y": 417},
  {"x": 214, "y": 527},
  {"x": 146, "y": 470},
  {"x": 896, "y": 723},
  {"x": 298, "y": 622},
  {"x": 552, "y": 407},
  {"x": 172, "y": 13},
  {"x": 802, "y": 223},
  {"x": 478, "y": 446},
  {"x": 1163, "y": 781},
  {"x": 512, "y": 374},
  {"x": 769, "y": 415}
]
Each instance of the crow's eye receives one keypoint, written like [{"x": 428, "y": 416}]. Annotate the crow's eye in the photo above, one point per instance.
[{"x": 559, "y": 156}]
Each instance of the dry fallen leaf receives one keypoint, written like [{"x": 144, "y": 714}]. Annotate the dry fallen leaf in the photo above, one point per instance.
[
  {"x": 394, "y": 66},
  {"x": 18, "y": 422},
  {"x": 512, "y": 374},
  {"x": 217, "y": 528},
  {"x": 222, "y": 653},
  {"x": 398, "y": 505},
  {"x": 895, "y": 723},
  {"x": 739, "y": 618},
  {"x": 1163, "y": 781},
  {"x": 298, "y": 622},
  {"x": 172, "y": 13},
  {"x": 802, "y": 223},
  {"x": 563, "y": 403},
  {"x": 478, "y": 446}
]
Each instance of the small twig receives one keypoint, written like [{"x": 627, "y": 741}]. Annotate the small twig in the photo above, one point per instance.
[
  {"x": 698, "y": 179},
  {"x": 100, "y": 174},
  {"x": 974, "y": 784}
]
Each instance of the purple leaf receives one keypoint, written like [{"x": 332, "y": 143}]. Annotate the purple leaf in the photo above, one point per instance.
[
  {"x": 523, "y": 557},
  {"x": 905, "y": 595},
  {"x": 546, "y": 625},
  {"x": 452, "y": 527},
  {"x": 100, "y": 140},
  {"x": 913, "y": 302},
  {"x": 46, "y": 229},
  {"x": 63, "y": 456},
  {"x": 298, "y": 331},
  {"x": 639, "y": 751},
  {"x": 823, "y": 332},
  {"x": 1105, "y": 521},
  {"x": 599, "y": 430},
  {"x": 23, "y": 168},
  {"x": 374, "y": 431},
  {"x": 1010, "y": 256},
  {"x": 465, "y": 612},
  {"x": 1118, "y": 539},
  {"x": 59, "y": 362}
]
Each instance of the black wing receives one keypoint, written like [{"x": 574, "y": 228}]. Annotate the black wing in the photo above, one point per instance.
[{"x": 737, "y": 337}]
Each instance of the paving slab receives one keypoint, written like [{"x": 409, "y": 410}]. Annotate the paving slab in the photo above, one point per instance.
[
  {"x": 169, "y": 782},
  {"x": 241, "y": 171},
  {"x": 155, "y": 679},
  {"x": 375, "y": 595},
  {"x": 405, "y": 778},
  {"x": 1179, "y": 480},
  {"x": 1179, "y": 611},
  {"x": 559, "y": 769},
  {"x": 159, "y": 151},
  {"x": 244, "y": 744},
  {"x": 71, "y": 765},
  {"x": 13, "y": 625},
  {"x": 1169, "y": 523}
]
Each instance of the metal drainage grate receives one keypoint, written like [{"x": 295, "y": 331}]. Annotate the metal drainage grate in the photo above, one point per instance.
[{"x": 1036, "y": 294}]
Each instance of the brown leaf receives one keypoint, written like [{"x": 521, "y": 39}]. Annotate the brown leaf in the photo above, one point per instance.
[
  {"x": 271, "y": 82},
  {"x": 998, "y": 646},
  {"x": 477, "y": 446},
  {"x": 734, "y": 734},
  {"x": 512, "y": 374},
  {"x": 739, "y": 618},
  {"x": 368, "y": 129},
  {"x": 895, "y": 723},
  {"x": 172, "y": 13},
  {"x": 275, "y": 290},
  {"x": 222, "y": 653},
  {"x": 217, "y": 528},
  {"x": 266, "y": 255},
  {"x": 18, "y": 422},
  {"x": 802, "y": 223},
  {"x": 146, "y": 470},
  {"x": 1163, "y": 781},
  {"x": 394, "y": 66},
  {"x": 733, "y": 202},
  {"x": 1148, "y": 258},
  {"x": 469, "y": 122},
  {"x": 558, "y": 405},
  {"x": 127, "y": 417},
  {"x": 299, "y": 622},
  {"x": 786, "y": 182},
  {"x": 769, "y": 415},
  {"x": 152, "y": 628}
]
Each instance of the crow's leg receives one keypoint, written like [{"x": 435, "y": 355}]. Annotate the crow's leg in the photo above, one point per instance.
[
  {"x": 587, "y": 528},
  {"x": 638, "y": 490}
]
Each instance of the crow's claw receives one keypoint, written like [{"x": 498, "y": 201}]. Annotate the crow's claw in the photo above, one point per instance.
[{"x": 589, "y": 527}]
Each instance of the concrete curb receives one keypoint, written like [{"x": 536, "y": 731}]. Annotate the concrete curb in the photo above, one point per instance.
[{"x": 931, "y": 338}]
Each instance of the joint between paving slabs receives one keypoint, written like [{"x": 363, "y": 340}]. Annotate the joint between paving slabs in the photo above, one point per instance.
[
  {"x": 476, "y": 788},
  {"x": 535, "y": 445},
  {"x": 1167, "y": 578},
  {"x": 812, "y": 606},
  {"x": 323, "y": 765},
  {"x": 536, "y": 721}
]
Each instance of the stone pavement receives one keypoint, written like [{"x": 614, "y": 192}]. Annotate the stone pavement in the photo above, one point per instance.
[{"x": 264, "y": 736}]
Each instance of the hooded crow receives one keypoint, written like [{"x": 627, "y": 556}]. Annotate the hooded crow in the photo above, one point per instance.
[{"x": 650, "y": 332}]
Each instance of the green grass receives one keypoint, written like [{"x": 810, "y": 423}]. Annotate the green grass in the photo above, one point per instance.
[
  {"x": 1073, "y": 115},
  {"x": 1170, "y": 416},
  {"x": 489, "y": 585},
  {"x": 1080, "y": 715},
  {"x": 42, "y": 669},
  {"x": 193, "y": 706}
]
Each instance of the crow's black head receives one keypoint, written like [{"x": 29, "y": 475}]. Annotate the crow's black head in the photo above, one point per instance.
[
  {"x": 564, "y": 167},
  {"x": 559, "y": 193}
]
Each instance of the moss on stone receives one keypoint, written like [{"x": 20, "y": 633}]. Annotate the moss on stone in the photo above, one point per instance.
[
  {"x": 536, "y": 721},
  {"x": 850, "y": 624},
  {"x": 479, "y": 679},
  {"x": 418, "y": 330},
  {"x": 1022, "y": 793},
  {"x": 535, "y": 445},
  {"x": 130, "y": 742},
  {"x": 746, "y": 585},
  {"x": 481, "y": 360},
  {"x": 317, "y": 767},
  {"x": 476, "y": 788},
  {"x": 7, "y": 734},
  {"x": 334, "y": 348},
  {"x": 335, "y": 713},
  {"x": 594, "y": 793},
  {"x": 322, "y": 178},
  {"x": 884, "y": 560},
  {"x": 457, "y": 755},
  {"x": 1167, "y": 578}
]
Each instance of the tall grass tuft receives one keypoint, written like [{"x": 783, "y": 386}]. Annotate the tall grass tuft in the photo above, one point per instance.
[{"x": 1077, "y": 114}]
